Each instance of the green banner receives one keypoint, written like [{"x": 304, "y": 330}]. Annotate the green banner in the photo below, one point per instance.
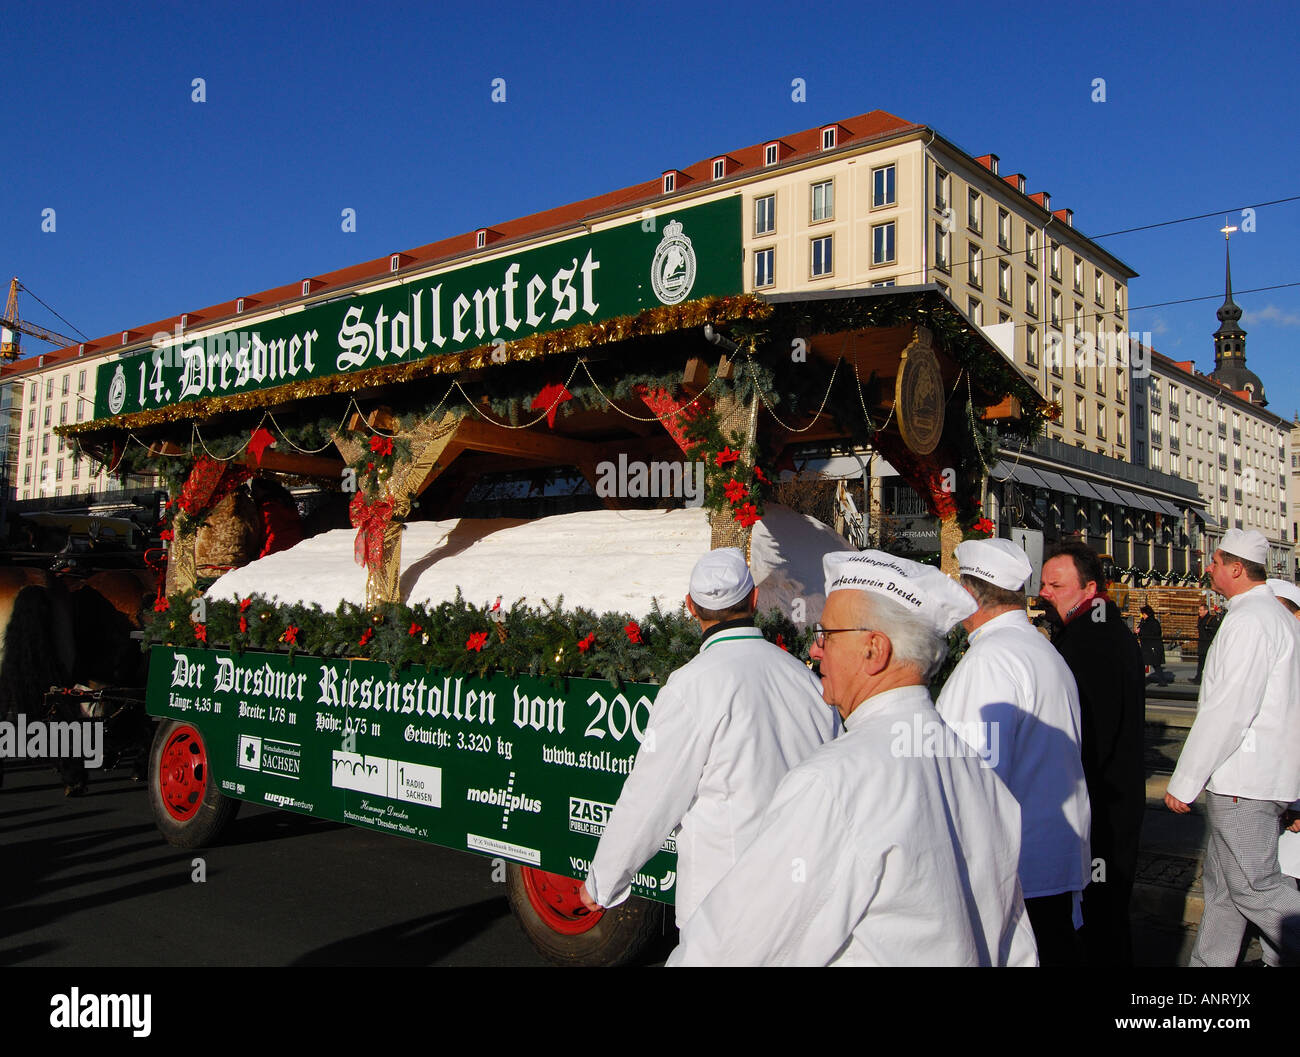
[
  {"x": 522, "y": 769},
  {"x": 678, "y": 255}
]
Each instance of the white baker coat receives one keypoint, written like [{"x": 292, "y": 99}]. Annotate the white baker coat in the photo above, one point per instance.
[
  {"x": 871, "y": 856},
  {"x": 724, "y": 730},
  {"x": 1013, "y": 699},
  {"x": 1245, "y": 740}
]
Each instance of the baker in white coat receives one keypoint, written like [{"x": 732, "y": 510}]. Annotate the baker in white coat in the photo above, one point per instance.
[
  {"x": 1244, "y": 751},
  {"x": 724, "y": 730},
  {"x": 893, "y": 844},
  {"x": 1014, "y": 700}
]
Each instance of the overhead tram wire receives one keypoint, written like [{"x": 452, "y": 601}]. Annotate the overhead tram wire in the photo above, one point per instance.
[{"x": 27, "y": 290}]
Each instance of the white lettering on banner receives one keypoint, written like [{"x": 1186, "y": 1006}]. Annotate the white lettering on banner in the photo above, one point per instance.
[
  {"x": 540, "y": 713},
  {"x": 449, "y": 700}
]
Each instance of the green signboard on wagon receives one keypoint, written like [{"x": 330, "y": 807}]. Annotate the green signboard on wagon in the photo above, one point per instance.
[
  {"x": 666, "y": 259},
  {"x": 516, "y": 768}
]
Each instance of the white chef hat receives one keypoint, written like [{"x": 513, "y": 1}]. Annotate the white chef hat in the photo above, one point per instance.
[
  {"x": 721, "y": 579},
  {"x": 1249, "y": 544},
  {"x": 998, "y": 561},
  {"x": 1285, "y": 589},
  {"x": 931, "y": 594}
]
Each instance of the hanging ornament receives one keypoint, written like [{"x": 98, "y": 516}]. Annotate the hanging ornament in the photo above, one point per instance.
[
  {"x": 261, "y": 439},
  {"x": 553, "y": 394}
]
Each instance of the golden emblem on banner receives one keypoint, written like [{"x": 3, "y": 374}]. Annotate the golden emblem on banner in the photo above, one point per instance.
[{"x": 918, "y": 395}]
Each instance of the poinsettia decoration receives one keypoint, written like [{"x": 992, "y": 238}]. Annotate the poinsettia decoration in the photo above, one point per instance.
[
  {"x": 477, "y": 641},
  {"x": 552, "y": 395}
]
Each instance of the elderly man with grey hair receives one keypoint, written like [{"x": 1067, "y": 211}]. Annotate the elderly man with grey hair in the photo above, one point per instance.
[{"x": 893, "y": 844}]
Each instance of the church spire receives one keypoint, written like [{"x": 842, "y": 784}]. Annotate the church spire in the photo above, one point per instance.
[{"x": 1230, "y": 338}]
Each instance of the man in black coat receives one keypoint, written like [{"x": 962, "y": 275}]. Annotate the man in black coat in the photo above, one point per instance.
[
  {"x": 1151, "y": 637},
  {"x": 1104, "y": 655},
  {"x": 1207, "y": 624}
]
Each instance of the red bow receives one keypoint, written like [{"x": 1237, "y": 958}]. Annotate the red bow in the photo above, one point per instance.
[{"x": 371, "y": 521}]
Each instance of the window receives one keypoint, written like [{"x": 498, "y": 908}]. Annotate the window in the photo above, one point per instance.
[
  {"x": 821, "y": 256},
  {"x": 1081, "y": 414},
  {"x": 27, "y": 477},
  {"x": 1200, "y": 407},
  {"x": 1004, "y": 281},
  {"x": 942, "y": 248},
  {"x": 63, "y": 414},
  {"x": 1080, "y": 371},
  {"x": 31, "y": 419},
  {"x": 1054, "y": 356},
  {"x": 1031, "y": 246},
  {"x": 1056, "y": 260},
  {"x": 975, "y": 211},
  {"x": 670, "y": 182},
  {"x": 1119, "y": 298},
  {"x": 975, "y": 265},
  {"x": 823, "y": 201},
  {"x": 1078, "y": 318},
  {"x": 58, "y": 470},
  {"x": 1119, "y": 427},
  {"x": 81, "y": 381},
  {"x": 765, "y": 215},
  {"x": 719, "y": 168},
  {"x": 1004, "y": 228},
  {"x": 882, "y": 186},
  {"x": 1078, "y": 275},
  {"x": 885, "y": 282},
  {"x": 1101, "y": 378},
  {"x": 1098, "y": 289},
  {"x": 828, "y": 138},
  {"x": 67, "y": 382},
  {"x": 49, "y": 388},
  {"x": 942, "y": 186},
  {"x": 976, "y": 311},
  {"x": 1031, "y": 346},
  {"x": 882, "y": 243},
  {"x": 47, "y": 414},
  {"x": 1031, "y": 295},
  {"x": 1101, "y": 421},
  {"x": 1056, "y": 395},
  {"x": 1056, "y": 308},
  {"x": 81, "y": 410},
  {"x": 764, "y": 261},
  {"x": 769, "y": 154},
  {"x": 31, "y": 444},
  {"x": 31, "y": 388}
]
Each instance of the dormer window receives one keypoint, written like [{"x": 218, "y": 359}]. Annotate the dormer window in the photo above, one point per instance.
[
  {"x": 395, "y": 262},
  {"x": 480, "y": 238},
  {"x": 719, "y": 168},
  {"x": 239, "y": 306},
  {"x": 828, "y": 138},
  {"x": 81, "y": 350},
  {"x": 306, "y": 287},
  {"x": 670, "y": 182},
  {"x": 185, "y": 320},
  {"x": 126, "y": 336},
  {"x": 769, "y": 154}
]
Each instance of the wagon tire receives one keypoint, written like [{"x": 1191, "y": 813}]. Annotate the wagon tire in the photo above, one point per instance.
[
  {"x": 188, "y": 809},
  {"x": 543, "y": 905}
]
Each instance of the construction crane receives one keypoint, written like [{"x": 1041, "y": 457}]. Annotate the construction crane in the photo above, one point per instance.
[{"x": 11, "y": 327}]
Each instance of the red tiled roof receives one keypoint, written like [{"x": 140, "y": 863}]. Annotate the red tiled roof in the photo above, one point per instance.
[{"x": 850, "y": 131}]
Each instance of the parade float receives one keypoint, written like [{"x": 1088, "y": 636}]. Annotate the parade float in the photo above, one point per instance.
[{"x": 483, "y": 684}]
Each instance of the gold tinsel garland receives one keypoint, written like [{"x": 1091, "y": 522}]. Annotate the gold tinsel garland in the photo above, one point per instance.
[{"x": 654, "y": 321}]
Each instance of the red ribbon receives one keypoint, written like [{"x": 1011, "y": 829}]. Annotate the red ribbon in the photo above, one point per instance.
[{"x": 370, "y": 520}]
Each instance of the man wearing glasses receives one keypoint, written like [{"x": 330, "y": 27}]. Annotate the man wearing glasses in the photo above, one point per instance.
[
  {"x": 894, "y": 844},
  {"x": 724, "y": 730}
]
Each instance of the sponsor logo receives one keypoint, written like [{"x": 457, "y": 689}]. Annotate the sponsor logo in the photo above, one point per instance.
[
  {"x": 270, "y": 756},
  {"x": 506, "y": 799},
  {"x": 492, "y": 846},
  {"x": 592, "y": 816}
]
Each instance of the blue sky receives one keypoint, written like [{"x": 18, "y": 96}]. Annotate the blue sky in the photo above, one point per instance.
[{"x": 165, "y": 205}]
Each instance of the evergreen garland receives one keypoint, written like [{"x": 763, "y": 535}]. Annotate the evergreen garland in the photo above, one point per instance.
[{"x": 457, "y": 636}]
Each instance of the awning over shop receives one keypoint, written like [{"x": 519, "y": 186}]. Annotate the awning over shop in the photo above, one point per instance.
[
  {"x": 1055, "y": 481},
  {"x": 1020, "y": 474},
  {"x": 1107, "y": 493},
  {"x": 1081, "y": 488},
  {"x": 1137, "y": 501},
  {"x": 1167, "y": 507}
]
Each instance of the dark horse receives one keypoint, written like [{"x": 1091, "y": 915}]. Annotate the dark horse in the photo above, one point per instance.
[{"x": 61, "y": 632}]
